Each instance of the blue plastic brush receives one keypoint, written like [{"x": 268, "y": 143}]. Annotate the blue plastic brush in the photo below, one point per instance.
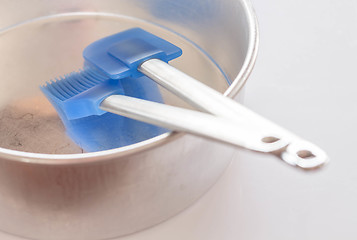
[
  {"x": 76, "y": 98},
  {"x": 83, "y": 98}
]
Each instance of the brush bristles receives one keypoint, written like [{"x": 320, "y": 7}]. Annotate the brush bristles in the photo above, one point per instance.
[{"x": 74, "y": 83}]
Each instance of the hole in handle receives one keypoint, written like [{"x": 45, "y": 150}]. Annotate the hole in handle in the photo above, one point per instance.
[
  {"x": 305, "y": 154},
  {"x": 270, "y": 139}
]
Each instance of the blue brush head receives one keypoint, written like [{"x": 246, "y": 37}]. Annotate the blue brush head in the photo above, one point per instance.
[
  {"x": 78, "y": 94},
  {"x": 119, "y": 55},
  {"x": 110, "y": 68},
  {"x": 76, "y": 98}
]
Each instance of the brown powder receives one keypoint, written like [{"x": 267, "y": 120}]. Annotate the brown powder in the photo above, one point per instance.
[{"x": 32, "y": 125}]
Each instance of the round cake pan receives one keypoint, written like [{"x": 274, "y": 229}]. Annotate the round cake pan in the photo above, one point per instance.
[{"x": 112, "y": 193}]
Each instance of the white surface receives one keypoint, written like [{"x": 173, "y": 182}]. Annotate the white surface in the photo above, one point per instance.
[{"x": 305, "y": 80}]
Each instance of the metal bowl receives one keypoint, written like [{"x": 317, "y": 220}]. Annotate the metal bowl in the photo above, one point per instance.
[{"x": 116, "y": 192}]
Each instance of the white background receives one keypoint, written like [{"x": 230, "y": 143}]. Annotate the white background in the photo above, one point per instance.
[{"x": 305, "y": 80}]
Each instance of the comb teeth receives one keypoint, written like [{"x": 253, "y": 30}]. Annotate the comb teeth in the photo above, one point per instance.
[{"x": 72, "y": 84}]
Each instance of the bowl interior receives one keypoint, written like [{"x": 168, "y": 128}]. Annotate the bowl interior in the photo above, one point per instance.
[{"x": 45, "y": 39}]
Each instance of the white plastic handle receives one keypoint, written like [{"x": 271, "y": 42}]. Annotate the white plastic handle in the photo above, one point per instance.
[
  {"x": 184, "y": 120},
  {"x": 300, "y": 153}
]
